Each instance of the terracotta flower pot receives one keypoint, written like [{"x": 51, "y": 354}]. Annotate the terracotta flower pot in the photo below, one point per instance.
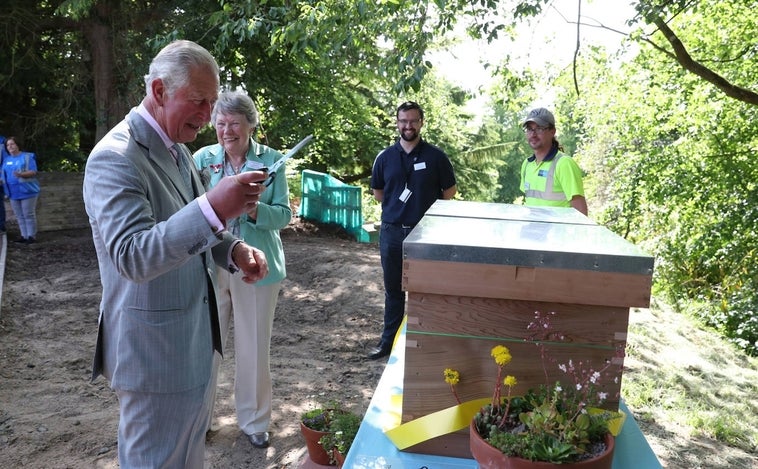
[
  {"x": 339, "y": 457},
  {"x": 317, "y": 453},
  {"x": 490, "y": 457}
]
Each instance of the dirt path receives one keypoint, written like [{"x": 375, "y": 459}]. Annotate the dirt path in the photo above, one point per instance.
[{"x": 51, "y": 416}]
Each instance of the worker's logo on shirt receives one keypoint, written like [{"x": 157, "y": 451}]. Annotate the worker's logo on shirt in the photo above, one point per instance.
[{"x": 542, "y": 173}]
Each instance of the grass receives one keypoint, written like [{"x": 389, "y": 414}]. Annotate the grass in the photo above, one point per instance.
[{"x": 688, "y": 377}]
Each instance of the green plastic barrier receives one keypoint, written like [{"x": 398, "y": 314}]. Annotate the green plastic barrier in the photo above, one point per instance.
[{"x": 329, "y": 200}]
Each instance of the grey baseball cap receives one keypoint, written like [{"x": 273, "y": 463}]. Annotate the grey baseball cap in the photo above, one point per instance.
[{"x": 541, "y": 117}]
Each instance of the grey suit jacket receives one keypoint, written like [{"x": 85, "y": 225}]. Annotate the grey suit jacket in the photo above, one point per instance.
[{"x": 152, "y": 243}]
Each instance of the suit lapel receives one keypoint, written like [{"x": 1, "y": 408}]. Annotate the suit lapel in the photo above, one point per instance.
[{"x": 159, "y": 155}]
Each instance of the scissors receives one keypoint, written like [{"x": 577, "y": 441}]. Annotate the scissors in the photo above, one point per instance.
[{"x": 280, "y": 162}]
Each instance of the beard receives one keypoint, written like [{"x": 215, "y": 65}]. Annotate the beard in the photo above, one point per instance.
[{"x": 409, "y": 135}]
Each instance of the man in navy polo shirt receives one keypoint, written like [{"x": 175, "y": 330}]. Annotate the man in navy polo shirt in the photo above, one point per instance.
[{"x": 407, "y": 178}]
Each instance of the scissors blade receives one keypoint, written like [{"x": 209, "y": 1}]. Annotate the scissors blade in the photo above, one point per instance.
[
  {"x": 278, "y": 164},
  {"x": 290, "y": 153}
]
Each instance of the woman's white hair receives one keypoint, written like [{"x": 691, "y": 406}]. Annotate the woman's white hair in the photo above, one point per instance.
[{"x": 236, "y": 102}]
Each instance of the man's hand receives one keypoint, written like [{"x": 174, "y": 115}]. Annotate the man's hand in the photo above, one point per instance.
[
  {"x": 251, "y": 261},
  {"x": 236, "y": 195}
]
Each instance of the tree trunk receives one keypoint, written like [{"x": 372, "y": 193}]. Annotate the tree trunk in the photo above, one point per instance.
[{"x": 102, "y": 72}]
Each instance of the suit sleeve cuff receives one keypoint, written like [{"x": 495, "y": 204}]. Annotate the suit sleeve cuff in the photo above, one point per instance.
[{"x": 231, "y": 266}]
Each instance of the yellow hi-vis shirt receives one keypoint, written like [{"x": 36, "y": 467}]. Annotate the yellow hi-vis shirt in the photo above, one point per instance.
[{"x": 553, "y": 182}]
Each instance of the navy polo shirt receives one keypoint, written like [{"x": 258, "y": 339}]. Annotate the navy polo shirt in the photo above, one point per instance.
[{"x": 426, "y": 172}]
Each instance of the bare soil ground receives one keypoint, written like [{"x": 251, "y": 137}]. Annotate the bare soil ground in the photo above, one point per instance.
[{"x": 329, "y": 314}]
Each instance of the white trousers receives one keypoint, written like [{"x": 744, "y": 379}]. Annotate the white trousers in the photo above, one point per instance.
[
  {"x": 26, "y": 215},
  {"x": 253, "y": 309}
]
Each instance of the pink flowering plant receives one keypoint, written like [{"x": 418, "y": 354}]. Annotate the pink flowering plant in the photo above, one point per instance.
[{"x": 553, "y": 423}]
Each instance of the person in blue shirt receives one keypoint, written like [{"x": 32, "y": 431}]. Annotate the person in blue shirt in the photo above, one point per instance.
[
  {"x": 3, "y": 154},
  {"x": 19, "y": 176},
  {"x": 407, "y": 178}
]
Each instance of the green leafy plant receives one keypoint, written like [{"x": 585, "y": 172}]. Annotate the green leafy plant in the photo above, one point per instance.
[
  {"x": 321, "y": 417},
  {"x": 551, "y": 423},
  {"x": 342, "y": 429},
  {"x": 317, "y": 419}
]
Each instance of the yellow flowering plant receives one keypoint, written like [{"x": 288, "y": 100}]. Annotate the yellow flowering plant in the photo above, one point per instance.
[{"x": 550, "y": 423}]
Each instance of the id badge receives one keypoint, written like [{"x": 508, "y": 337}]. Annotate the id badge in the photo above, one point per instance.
[
  {"x": 253, "y": 165},
  {"x": 405, "y": 195}
]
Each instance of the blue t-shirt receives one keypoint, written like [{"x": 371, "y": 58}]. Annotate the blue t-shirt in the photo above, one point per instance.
[
  {"x": 3, "y": 154},
  {"x": 426, "y": 172},
  {"x": 16, "y": 188},
  {"x": 3, "y": 150}
]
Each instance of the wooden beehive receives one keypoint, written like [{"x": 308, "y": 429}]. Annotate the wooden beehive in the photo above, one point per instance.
[{"x": 476, "y": 273}]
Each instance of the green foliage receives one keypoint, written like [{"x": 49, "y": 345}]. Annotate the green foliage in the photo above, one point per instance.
[
  {"x": 550, "y": 426},
  {"x": 342, "y": 430},
  {"x": 316, "y": 419},
  {"x": 321, "y": 417},
  {"x": 334, "y": 68},
  {"x": 671, "y": 165},
  {"x": 543, "y": 447},
  {"x": 510, "y": 444},
  {"x": 512, "y": 96},
  {"x": 371, "y": 208},
  {"x": 340, "y": 424}
]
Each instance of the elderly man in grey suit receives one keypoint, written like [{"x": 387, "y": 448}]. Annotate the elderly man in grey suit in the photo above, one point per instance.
[{"x": 157, "y": 236}]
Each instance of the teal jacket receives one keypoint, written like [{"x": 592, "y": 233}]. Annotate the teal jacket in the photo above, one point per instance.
[{"x": 274, "y": 212}]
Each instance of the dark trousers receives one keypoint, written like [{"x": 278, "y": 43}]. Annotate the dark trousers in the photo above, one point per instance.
[{"x": 391, "y": 249}]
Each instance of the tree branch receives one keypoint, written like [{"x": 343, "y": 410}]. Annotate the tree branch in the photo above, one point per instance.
[
  {"x": 686, "y": 61},
  {"x": 578, "y": 44}
]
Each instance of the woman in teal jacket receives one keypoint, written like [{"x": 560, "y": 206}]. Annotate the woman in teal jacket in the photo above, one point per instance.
[{"x": 235, "y": 118}]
